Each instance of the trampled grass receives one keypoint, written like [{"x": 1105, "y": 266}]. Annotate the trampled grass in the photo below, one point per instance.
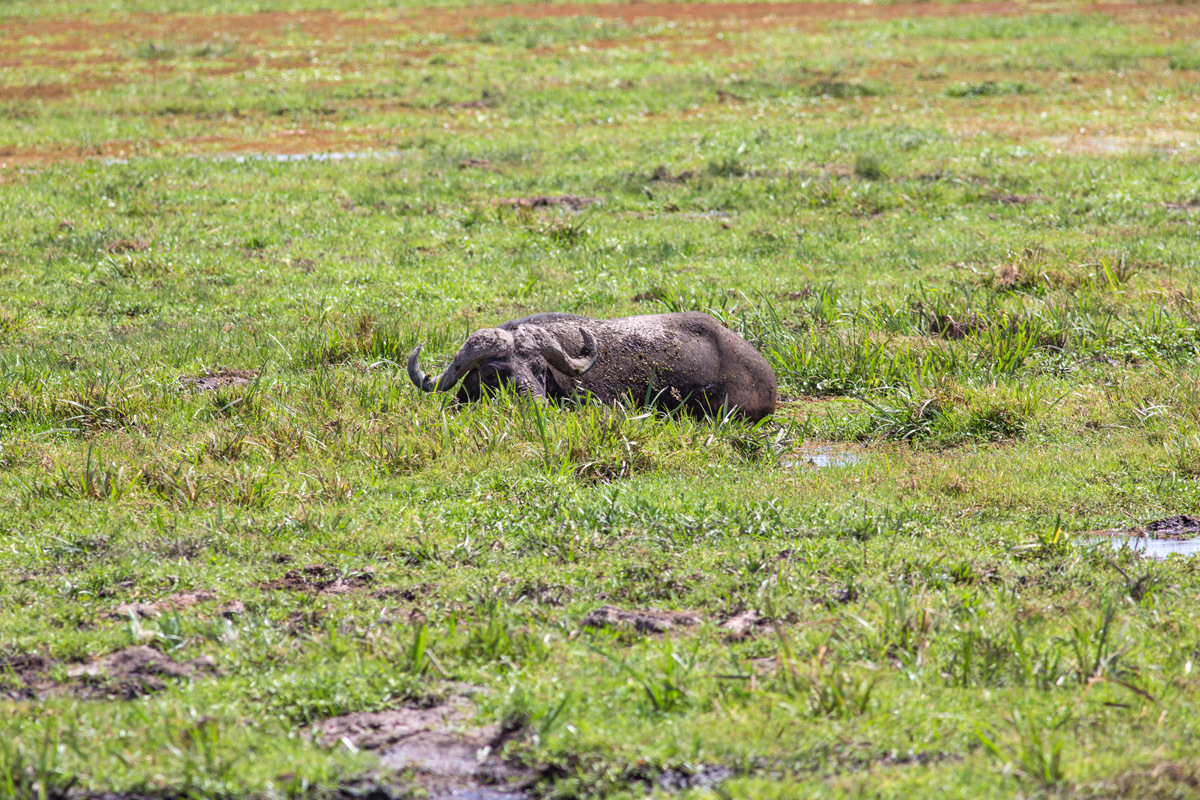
[{"x": 963, "y": 236}]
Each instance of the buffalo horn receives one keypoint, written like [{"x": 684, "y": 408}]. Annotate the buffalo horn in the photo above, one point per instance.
[
  {"x": 552, "y": 351},
  {"x": 470, "y": 356}
]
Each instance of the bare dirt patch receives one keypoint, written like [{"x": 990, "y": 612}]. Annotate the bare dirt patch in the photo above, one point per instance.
[
  {"x": 176, "y": 602},
  {"x": 474, "y": 163},
  {"x": 218, "y": 379},
  {"x": 321, "y": 579},
  {"x": 437, "y": 742},
  {"x": 133, "y": 672},
  {"x": 641, "y": 621},
  {"x": 126, "y": 674},
  {"x": 571, "y": 201}
]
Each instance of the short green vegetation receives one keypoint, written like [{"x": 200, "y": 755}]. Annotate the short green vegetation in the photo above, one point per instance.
[{"x": 967, "y": 243}]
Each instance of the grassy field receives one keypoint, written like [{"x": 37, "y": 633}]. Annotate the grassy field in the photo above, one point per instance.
[{"x": 964, "y": 235}]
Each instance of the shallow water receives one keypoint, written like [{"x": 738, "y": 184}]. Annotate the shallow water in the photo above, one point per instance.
[
  {"x": 822, "y": 459},
  {"x": 1146, "y": 547},
  {"x": 478, "y": 793},
  {"x": 242, "y": 158},
  {"x": 348, "y": 155}
]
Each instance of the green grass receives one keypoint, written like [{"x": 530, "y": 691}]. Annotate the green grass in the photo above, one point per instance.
[{"x": 964, "y": 243}]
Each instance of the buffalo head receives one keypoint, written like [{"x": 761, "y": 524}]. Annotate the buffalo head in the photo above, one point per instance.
[{"x": 494, "y": 357}]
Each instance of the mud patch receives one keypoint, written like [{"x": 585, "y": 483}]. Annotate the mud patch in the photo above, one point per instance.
[
  {"x": 640, "y": 621},
  {"x": 218, "y": 379},
  {"x": 320, "y": 579},
  {"x": 175, "y": 602},
  {"x": 572, "y": 201},
  {"x": 450, "y": 758},
  {"x": 1176, "y": 527},
  {"x": 126, "y": 674}
]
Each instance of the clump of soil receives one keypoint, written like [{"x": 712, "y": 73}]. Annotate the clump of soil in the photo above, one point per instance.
[
  {"x": 25, "y": 676},
  {"x": 126, "y": 674},
  {"x": 1007, "y": 276},
  {"x": 663, "y": 174},
  {"x": 136, "y": 244},
  {"x": 544, "y": 593},
  {"x": 133, "y": 672},
  {"x": 743, "y": 625},
  {"x": 436, "y": 742},
  {"x": 234, "y": 608},
  {"x": 704, "y": 777},
  {"x": 409, "y": 593},
  {"x": 1180, "y": 526},
  {"x": 218, "y": 378},
  {"x": 320, "y": 579},
  {"x": 1015, "y": 199},
  {"x": 640, "y": 621},
  {"x": 571, "y": 201},
  {"x": 948, "y": 327},
  {"x": 653, "y": 295},
  {"x": 175, "y": 602}
]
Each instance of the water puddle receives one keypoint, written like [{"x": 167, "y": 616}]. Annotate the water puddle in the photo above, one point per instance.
[
  {"x": 822, "y": 459},
  {"x": 479, "y": 793},
  {"x": 1177, "y": 535},
  {"x": 347, "y": 155},
  {"x": 242, "y": 158},
  {"x": 1156, "y": 549}
]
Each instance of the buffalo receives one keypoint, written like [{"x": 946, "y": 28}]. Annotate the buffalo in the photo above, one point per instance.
[{"x": 672, "y": 361}]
